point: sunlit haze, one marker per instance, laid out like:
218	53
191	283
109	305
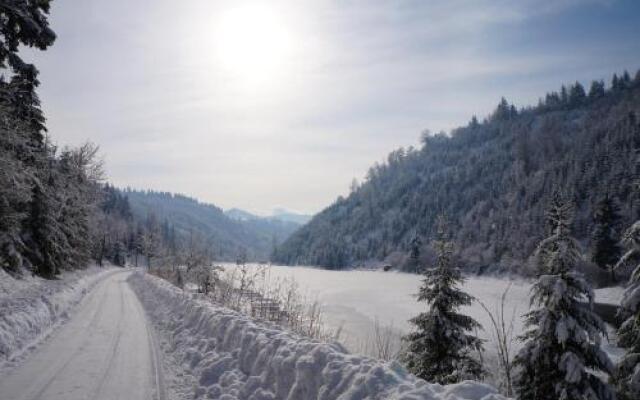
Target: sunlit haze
259	105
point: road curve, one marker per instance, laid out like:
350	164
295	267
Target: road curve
106	351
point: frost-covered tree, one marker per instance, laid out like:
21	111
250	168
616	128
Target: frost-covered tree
16	177
23	22
151	239
58	230
414	252
494	177
441	347
606	251
627	376
45	239
561	356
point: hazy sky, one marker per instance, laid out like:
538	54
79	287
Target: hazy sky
265	104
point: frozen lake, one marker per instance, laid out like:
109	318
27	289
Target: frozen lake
353	300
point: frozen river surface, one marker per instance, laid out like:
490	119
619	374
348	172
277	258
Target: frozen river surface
354	299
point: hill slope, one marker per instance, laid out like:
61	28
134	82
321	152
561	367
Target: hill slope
492	179
229	237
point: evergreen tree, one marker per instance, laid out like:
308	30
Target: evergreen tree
606	251
564	95
627	376
46	241
597	89
23	22
16	177
504	111
414	254
615	83
625	80
577	95
562	346
474	122
440	349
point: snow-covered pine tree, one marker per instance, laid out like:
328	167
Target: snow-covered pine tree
627	376
16	177
441	347
606	251
414	254
46	241
562	353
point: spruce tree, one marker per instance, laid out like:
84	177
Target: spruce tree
606	251
23	22
414	254
597	89
440	349
46	240
627	376
562	353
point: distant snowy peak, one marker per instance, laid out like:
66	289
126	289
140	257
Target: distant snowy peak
240	215
285	215
279	214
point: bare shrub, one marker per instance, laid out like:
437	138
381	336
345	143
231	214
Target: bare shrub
503	336
250	290
383	342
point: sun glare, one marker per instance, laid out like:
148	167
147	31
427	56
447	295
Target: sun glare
253	44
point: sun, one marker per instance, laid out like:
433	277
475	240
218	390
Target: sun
253	43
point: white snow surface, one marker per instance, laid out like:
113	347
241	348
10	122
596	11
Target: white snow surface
353	299
105	351
234	357
31	307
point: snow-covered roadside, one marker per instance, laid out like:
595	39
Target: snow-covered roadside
230	356
31	308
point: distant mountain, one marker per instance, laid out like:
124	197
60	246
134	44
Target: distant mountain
279	214
228	234
284	215
240	215
493	179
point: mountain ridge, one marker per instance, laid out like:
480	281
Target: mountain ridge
492	179
229	238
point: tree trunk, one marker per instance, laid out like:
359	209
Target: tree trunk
614	280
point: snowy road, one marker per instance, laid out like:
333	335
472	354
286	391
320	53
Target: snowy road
106	351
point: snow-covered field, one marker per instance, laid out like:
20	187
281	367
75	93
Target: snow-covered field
354	299
230	356
30	308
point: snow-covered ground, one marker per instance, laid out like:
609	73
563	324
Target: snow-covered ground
31	307
104	351
354	299
230	356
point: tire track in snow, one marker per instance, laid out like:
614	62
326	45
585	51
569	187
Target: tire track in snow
106	351
113	347
90	326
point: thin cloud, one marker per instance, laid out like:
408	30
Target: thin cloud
364	77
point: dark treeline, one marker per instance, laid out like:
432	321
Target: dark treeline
493	180
47	196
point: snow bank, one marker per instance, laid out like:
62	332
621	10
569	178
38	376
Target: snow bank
30	308
233	357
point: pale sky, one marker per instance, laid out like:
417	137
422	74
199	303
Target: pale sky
268	104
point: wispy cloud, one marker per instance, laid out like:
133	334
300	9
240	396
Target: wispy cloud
364	77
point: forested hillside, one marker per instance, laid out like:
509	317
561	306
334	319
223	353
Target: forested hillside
493	180
227	238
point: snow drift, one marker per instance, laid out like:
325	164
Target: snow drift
31	308
232	357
